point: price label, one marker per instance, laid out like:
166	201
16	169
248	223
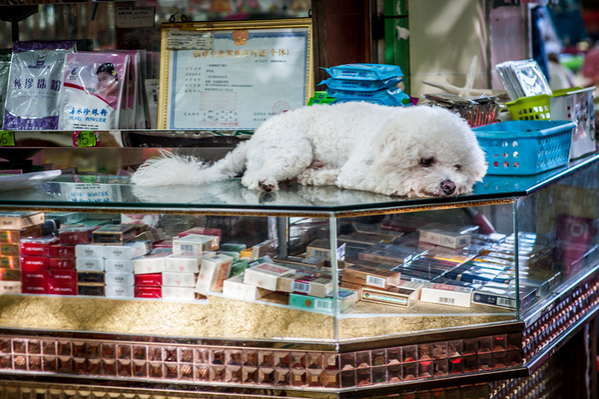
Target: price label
87	138
7	138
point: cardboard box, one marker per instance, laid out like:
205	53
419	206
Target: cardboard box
89	251
176	279
91	289
364	275
34	263
10	262
10	287
14	236
118	266
10	249
404	295
120	291
89	264
449	239
114	234
346	299
234	287
213	272
10	274
117	278
62	251
149	279
91	277
265	275
178	293
20	220
38	246
321	248
148	292
184	263
446	294
75	235
127	251
150	264
195	244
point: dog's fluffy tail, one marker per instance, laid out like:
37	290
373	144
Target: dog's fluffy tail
170	169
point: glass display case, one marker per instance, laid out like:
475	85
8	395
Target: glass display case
229	288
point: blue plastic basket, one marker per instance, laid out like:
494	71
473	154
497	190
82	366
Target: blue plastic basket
525	147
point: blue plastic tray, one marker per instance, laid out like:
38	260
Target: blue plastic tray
525	147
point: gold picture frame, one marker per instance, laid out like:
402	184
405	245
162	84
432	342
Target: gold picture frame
228	76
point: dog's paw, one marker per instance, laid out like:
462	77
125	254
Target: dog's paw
268	186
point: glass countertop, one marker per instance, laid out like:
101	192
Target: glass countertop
106	192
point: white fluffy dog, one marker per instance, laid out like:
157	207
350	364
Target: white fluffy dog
404	151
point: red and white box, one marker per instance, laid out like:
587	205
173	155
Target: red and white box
34	262
170	279
58	290
128	251
195	244
38	246
62	278
62	263
265	275
150	264
62	251
213	272
148	292
150	279
446	294
75	235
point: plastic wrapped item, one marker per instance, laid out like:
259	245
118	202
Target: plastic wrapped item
392	97
365	71
523	78
361	85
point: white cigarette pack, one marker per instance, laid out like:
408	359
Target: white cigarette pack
265	275
178	293
213	272
10	287
127	251
446	294
185	263
89	251
150	264
120	291
236	288
444	238
124	279
175	279
118	265
89	264
195	244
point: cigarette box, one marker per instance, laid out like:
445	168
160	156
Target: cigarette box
114	234
14	236
264	248
20	220
150	264
116	278
61	278
89	264
151	235
321	248
89	251
10	249
265	275
213	272
75	235
10	287
91	277
34	263
91	289
149	279
26	288
184	263
314	286
62	251
118	266
176	279
234	287
404	295
39	246
148	292
62	290
178	293
10	275
346	299
127	251
285	283
388	253
10	262
203	231
195	244
446	294
495	297
120	291
370	276
445	238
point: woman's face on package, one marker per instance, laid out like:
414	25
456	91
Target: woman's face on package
108	85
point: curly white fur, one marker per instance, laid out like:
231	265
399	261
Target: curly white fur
405	151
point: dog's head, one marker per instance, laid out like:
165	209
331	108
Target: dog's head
428	151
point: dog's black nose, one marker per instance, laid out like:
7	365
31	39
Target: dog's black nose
448	187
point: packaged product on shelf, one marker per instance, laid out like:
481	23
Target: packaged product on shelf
10	274
265	248
213	272
346	299
178	279
10	249
4	72
34	275
10	287
131	90
35	80
20	220
89	264
235	288
92	90
404	295
447	236
95	277
62	251
195	244
154	292
502	298
91	289
203	231
62	282
364	275
266	275
118	265
178	293
186	263
39	246
446	294
62	263
89	251
155	263
127	251
388	253
14	236
114	234
75	235
321	248
10	262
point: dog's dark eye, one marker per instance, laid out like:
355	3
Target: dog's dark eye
458	167
427	162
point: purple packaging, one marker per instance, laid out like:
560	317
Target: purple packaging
33	91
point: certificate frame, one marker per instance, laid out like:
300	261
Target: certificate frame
185	102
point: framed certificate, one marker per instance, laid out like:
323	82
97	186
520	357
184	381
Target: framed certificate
233	75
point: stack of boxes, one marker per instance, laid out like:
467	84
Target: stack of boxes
374	83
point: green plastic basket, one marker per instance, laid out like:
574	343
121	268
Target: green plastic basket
534	108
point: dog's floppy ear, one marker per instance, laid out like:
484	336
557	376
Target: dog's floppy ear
394	142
